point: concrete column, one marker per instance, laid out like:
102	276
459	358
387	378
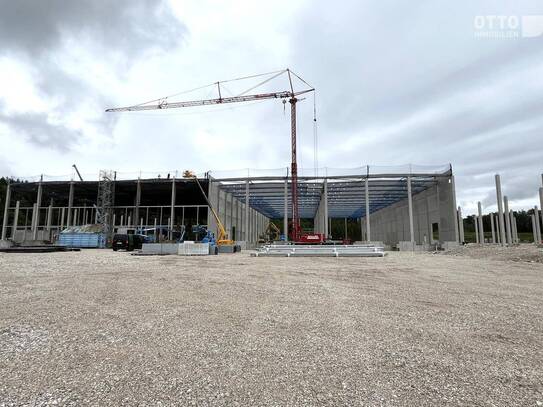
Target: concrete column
38	202
510	214
6	211
70	205
15	219
285	215
514	227
232	218
496	222
33	221
325	202
225	220
62	212
460	226
533	228
251	226
492	228
138	201
537	229
122	220
49	217
36	212
239	223
476	223
410	208
453	190
507	219
367	195
155	231
172	210
481	228
541	203
255	227
129	221
246	217
501	226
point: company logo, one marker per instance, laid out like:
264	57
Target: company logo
512	26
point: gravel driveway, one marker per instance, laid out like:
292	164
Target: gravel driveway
104	328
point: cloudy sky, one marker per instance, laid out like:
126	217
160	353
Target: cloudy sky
423	82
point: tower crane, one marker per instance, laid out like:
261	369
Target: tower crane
290	94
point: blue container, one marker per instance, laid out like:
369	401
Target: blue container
89	240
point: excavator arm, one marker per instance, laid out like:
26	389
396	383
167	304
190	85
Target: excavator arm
223	237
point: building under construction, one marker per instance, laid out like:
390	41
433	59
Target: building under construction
408	207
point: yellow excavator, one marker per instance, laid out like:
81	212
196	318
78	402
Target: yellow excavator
271	234
225	244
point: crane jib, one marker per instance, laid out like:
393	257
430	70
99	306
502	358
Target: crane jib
192	103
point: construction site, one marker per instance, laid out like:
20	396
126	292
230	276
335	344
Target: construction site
231	287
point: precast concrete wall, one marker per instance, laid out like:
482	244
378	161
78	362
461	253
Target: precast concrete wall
232	213
435	205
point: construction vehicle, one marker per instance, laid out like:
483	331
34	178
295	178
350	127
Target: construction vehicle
203	235
291	95
271	234
224	244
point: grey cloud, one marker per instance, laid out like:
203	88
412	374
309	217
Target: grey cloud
37	129
35	32
380	65
37	27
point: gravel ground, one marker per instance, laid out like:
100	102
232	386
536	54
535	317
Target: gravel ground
104	328
524	252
